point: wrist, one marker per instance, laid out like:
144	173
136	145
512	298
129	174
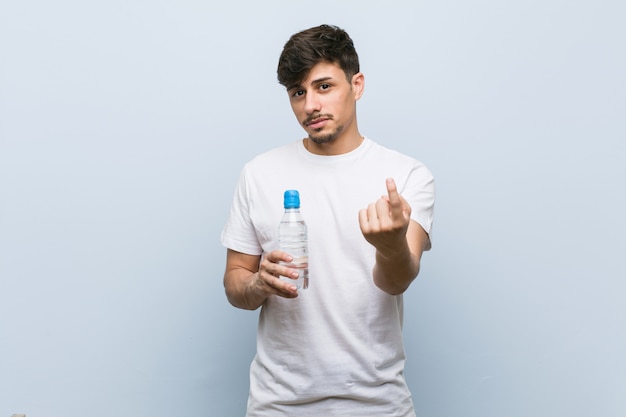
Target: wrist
395	253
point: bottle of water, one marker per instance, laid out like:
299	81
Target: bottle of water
292	239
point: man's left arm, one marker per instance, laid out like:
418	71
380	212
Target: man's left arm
399	241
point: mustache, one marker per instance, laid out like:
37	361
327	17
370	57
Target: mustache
312	117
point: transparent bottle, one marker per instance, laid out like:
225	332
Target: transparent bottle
292	238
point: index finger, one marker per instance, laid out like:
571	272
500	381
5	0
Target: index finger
277	256
395	200
392	191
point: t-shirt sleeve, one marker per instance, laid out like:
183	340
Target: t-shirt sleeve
239	233
419	192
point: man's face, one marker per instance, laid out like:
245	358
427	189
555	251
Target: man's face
325	102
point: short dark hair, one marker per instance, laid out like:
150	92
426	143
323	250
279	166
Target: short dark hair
308	48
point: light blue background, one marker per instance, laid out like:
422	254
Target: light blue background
123	127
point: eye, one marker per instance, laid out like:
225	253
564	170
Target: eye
324	86
297	93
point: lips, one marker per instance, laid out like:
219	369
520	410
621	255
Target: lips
317	122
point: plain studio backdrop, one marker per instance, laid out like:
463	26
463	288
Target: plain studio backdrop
123	128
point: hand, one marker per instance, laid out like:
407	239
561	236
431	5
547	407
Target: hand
384	223
267	280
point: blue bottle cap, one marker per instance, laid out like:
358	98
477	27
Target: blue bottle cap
292	199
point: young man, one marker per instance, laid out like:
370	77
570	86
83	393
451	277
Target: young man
336	348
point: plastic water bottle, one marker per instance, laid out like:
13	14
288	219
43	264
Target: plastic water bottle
292	239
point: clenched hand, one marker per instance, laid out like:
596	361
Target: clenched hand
384	223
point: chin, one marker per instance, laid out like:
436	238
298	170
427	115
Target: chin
322	138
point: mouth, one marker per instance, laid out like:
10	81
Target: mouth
317	122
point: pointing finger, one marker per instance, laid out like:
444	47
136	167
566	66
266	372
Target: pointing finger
392	190
395	201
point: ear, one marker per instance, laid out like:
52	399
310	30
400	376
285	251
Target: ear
358	85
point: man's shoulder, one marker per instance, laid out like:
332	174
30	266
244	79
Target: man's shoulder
278	152
393	155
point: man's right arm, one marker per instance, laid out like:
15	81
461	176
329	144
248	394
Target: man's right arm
248	283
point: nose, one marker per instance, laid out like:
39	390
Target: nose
311	103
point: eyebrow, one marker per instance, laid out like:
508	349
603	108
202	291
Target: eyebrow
319	80
316	81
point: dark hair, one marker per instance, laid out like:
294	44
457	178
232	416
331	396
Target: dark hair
308	48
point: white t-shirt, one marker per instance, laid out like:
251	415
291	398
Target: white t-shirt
337	348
